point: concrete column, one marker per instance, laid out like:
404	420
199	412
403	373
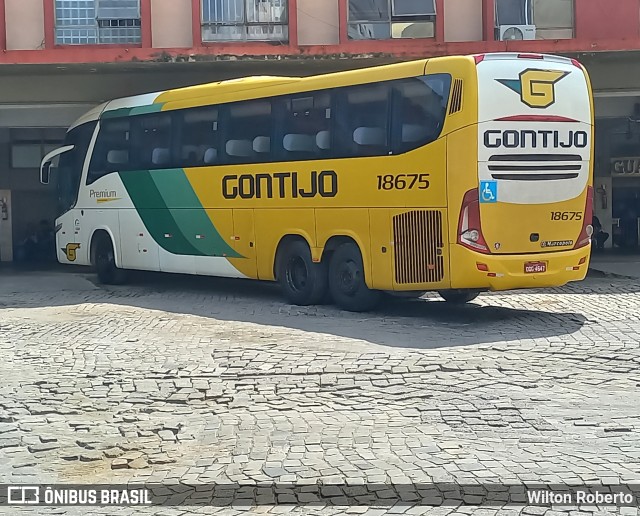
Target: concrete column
6	234
602	185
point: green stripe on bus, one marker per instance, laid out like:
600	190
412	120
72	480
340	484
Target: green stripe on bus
131	111
154	213
188	212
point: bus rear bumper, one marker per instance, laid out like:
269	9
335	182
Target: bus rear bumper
471	270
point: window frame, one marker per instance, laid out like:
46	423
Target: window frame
281	110
346	139
391	20
180	125
92	178
528	14
555	27
137	130
395	15
245	25
99	26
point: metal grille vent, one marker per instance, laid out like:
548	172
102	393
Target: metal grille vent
456	97
418	247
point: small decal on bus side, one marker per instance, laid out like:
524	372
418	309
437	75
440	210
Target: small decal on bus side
556	243
403	182
566	215
488	191
104	196
70	251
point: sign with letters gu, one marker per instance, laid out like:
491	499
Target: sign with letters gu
629	167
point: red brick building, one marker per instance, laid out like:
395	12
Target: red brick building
58	58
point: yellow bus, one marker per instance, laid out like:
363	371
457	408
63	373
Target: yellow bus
458	174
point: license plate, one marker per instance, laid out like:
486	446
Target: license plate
535	267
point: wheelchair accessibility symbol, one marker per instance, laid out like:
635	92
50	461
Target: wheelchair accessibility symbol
488	191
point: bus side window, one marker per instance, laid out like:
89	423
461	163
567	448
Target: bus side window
152	138
419	111
364	120
199	142
307	126
248	132
111	152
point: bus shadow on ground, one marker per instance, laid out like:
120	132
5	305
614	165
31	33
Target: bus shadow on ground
420	324
409	323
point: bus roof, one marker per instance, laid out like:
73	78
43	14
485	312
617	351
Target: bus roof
223	91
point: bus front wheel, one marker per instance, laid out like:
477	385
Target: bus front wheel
303	282
458	297
104	261
347	281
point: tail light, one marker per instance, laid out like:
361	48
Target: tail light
469	228
587	229
577	63
530	56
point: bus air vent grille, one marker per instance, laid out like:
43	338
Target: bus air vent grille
456	97
418	247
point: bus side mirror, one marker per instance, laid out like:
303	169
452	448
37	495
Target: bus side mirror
45	172
45	166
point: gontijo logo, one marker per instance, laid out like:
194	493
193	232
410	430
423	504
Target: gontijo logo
536	87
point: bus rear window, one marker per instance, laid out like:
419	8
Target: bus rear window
420	108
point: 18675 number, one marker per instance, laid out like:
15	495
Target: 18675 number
566	215
403	182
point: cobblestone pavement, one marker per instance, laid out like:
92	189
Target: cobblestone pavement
199	380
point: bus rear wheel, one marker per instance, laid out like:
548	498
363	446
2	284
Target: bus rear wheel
458	297
104	261
303	282
347	282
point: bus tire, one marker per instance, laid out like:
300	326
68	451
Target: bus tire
458	297
347	281
303	282
104	261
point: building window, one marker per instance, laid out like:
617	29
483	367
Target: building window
29	146
513	12
244	20
90	22
550	19
386	19
553	19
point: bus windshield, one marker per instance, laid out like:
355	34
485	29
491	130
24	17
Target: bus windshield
69	170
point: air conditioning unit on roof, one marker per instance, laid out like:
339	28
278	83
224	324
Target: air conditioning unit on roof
516	32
